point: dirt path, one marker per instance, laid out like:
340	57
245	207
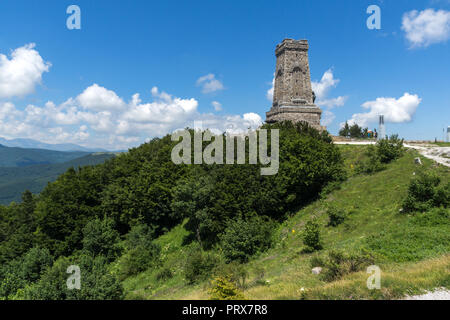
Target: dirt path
439	154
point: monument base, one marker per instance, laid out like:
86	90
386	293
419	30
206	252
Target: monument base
308	113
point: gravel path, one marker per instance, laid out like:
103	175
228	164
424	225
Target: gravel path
438	294
438	154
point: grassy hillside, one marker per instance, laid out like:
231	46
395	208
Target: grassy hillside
20	157
14	181
412	250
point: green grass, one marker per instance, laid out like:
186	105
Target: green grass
412	250
442	144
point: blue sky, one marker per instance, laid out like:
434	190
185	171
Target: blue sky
129	47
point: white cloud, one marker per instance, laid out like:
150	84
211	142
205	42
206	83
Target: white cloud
99	98
426	27
333	102
20	74
322	87
394	110
327	118
89	124
209	83
228	123
269	94
217	105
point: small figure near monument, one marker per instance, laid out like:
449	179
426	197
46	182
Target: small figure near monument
293	98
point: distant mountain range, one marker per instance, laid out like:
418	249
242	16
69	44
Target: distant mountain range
21	157
15	180
34	144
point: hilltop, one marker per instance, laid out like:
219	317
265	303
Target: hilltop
412	249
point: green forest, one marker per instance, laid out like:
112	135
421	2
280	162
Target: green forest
113	219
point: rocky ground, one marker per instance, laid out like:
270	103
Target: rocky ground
439	154
438	294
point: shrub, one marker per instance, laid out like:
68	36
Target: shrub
442	196
139	235
372	164
336	216
422	194
97	282
100	238
223	288
139	259
199	265
164	274
311	236
338	264
11	279
143	253
316	261
233	271
242	239
35	262
389	149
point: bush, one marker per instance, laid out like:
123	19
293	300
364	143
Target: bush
372	164
97	282
233	271
139	235
143	253
164	274
389	149
442	196
242	239
35	262
316	261
199	265
223	288
100	238
311	236
337	264
11	279
422	193
139	259
336	216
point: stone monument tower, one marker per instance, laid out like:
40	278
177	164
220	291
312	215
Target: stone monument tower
293	98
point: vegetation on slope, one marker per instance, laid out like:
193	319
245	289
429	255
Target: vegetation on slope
13	181
412	249
143	227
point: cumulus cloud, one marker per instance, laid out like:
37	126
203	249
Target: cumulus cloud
327	118
86	120
426	27
20	74
99	98
217	105
322	88
394	110
209	83
269	93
